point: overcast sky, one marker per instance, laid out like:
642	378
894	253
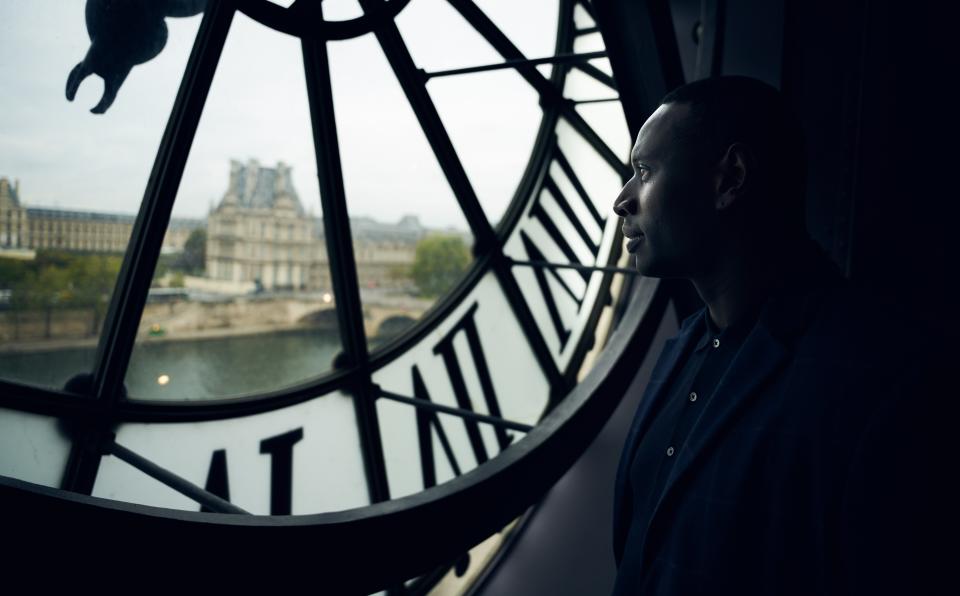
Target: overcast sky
64	156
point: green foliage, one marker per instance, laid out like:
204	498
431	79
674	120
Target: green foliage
193	259
176	280
164	265
58	279
440	261
12	272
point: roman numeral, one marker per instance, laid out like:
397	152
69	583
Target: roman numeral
541	276
428	422
280	450
217	481
548	218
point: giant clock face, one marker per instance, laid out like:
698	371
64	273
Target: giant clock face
266	378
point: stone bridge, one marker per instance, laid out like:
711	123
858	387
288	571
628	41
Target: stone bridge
256	314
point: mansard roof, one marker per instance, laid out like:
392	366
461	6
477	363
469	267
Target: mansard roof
253	186
10	191
68	214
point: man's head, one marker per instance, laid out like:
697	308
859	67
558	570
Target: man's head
718	167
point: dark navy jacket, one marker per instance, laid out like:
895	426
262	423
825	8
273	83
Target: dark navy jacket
814	466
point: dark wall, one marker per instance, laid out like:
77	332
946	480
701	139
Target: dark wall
865	77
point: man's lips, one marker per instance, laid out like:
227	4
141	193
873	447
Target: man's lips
633	236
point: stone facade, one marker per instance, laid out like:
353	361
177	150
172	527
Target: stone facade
32	228
13	217
260	232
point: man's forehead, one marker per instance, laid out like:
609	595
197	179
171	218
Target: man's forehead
658	135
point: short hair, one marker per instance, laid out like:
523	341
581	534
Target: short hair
729	109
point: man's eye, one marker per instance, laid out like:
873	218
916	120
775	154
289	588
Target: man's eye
642	173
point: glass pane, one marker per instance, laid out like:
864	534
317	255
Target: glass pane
601	182
463	346
244	305
580	86
341	10
581	18
591	42
569	222
558	227
603	64
440	39
411	241
493	119
32	448
531	25
234	459
607	120
72	181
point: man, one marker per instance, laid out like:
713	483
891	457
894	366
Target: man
786	442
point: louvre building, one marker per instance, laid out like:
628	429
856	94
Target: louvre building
260	233
259	236
24	229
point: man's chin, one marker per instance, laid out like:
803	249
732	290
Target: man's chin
645	268
648	268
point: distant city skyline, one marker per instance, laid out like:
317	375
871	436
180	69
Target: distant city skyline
67	158
365	224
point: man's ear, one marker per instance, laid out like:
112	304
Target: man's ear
735	171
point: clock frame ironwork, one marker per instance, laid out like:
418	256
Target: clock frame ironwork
90	406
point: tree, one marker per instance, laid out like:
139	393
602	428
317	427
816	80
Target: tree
56	280
194	257
13	272
440	261
92	280
46	290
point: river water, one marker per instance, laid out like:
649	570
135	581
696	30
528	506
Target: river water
194	369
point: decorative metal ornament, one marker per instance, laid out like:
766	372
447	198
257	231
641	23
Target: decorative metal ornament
124	33
304	18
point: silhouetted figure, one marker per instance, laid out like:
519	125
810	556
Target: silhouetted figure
791	438
124	33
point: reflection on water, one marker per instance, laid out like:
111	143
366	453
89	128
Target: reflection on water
196	369
48	369
238	365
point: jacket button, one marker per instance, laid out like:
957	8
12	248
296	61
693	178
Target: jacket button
693	396
669	451
716	343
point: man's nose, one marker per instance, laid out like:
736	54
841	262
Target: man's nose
625	205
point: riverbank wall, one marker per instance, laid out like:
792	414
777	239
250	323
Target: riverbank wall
184	319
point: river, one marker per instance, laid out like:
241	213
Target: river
196	369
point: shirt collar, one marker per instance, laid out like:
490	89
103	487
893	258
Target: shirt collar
708	331
735	332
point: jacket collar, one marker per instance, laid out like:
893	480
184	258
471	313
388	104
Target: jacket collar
765	350
776	326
